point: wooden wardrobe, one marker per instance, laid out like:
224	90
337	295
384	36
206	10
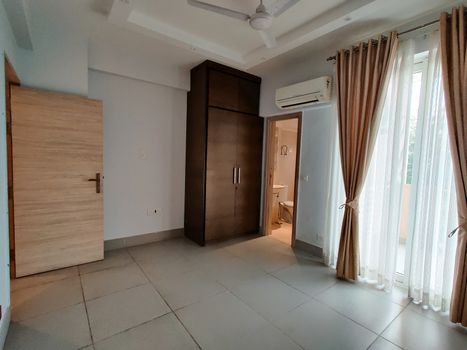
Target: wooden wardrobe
223	154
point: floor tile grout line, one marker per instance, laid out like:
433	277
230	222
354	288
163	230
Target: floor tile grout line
44	283
138	325
269	273
314	297
432	319
180	308
86	310
380	335
79	273
347	317
389	341
118	291
173	311
265	319
46	313
374	341
105	268
187	330
168	305
230	290
299	290
133	327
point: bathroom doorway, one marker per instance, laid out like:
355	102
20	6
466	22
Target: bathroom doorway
281	176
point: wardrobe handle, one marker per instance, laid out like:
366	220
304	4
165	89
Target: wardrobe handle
239	175
234	181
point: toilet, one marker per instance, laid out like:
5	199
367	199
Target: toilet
286	211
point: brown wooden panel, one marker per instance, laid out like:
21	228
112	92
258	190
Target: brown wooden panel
232	92
11	78
195	168
220	189
57	147
249	160
248	96
223	90
222	68
211	148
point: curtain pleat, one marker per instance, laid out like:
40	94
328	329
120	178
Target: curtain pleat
453	58
382	193
362	75
433	214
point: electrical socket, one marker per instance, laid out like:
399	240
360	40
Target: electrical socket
152	211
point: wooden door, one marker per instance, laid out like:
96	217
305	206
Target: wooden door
57	148
220	187
249	162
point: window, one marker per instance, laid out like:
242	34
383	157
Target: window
417	95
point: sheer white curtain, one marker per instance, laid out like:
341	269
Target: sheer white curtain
381	196
380	202
433	205
432	210
336	196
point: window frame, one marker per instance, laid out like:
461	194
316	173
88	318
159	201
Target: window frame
420	65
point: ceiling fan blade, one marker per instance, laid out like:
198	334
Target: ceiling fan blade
280	6
268	38
218	9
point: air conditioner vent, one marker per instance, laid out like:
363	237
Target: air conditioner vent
305	93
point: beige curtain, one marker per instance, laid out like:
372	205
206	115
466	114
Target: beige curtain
453	32
362	75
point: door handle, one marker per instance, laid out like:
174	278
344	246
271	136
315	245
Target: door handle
98	182
234	176
239	175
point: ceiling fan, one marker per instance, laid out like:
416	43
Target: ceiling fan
260	21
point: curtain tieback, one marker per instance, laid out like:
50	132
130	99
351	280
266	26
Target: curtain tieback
462	225
350	204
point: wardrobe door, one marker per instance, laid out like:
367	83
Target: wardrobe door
220	188
248	96
249	163
223	90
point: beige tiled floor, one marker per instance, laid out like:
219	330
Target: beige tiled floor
283	233
252	293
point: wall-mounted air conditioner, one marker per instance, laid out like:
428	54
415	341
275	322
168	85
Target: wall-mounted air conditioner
304	93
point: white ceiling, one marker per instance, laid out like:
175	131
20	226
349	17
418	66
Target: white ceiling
221	30
230	40
183	36
233	42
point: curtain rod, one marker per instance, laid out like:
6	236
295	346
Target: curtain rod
333	58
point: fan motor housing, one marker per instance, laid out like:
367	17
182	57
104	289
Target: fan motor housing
261	20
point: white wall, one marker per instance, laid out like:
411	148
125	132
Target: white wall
319	125
284	173
318	138
139	65
57	63
7	45
144	154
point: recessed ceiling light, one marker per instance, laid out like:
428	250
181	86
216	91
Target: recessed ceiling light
348	19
